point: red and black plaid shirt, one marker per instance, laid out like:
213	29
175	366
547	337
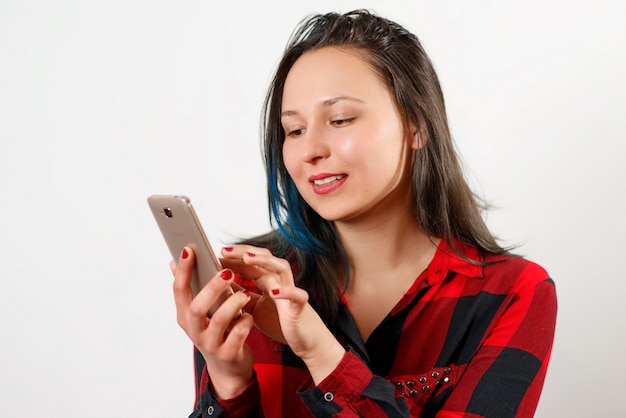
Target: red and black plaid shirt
465	341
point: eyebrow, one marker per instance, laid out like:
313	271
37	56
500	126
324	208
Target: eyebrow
326	103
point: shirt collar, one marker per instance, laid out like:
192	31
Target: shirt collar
446	260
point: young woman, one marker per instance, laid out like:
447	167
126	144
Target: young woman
381	291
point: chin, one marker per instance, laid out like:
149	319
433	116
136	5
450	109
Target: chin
330	216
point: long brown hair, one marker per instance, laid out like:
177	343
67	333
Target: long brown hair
446	206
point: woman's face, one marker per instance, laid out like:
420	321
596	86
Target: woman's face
345	147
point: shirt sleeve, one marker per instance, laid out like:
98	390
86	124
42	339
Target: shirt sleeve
505	376
351	390
246	404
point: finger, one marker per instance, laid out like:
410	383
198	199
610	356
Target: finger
182	278
254	297
217	289
224	318
268	263
291	293
230	310
237	251
243	269
238	332
276	271
233	258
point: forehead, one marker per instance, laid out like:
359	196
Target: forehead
331	71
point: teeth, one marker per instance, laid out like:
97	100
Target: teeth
327	180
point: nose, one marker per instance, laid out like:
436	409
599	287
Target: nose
315	144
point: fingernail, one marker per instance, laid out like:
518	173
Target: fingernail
185	254
251	254
228	249
226	274
246	292
275	291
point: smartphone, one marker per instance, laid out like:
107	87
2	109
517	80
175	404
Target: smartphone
180	228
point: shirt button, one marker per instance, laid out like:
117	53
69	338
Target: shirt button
328	397
210	410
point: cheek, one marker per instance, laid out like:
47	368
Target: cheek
361	150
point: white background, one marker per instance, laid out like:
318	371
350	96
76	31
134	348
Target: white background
104	103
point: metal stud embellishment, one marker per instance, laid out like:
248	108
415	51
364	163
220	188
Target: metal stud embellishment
421	385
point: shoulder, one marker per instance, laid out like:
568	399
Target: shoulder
473	262
477	271
514	267
517	276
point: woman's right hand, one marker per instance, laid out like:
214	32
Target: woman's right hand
221	338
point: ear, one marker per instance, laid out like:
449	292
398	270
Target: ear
420	136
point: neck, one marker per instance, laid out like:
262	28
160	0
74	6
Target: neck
384	246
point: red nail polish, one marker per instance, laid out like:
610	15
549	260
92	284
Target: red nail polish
226	274
228	249
251	254
185	254
246	292
275	291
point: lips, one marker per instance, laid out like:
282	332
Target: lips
325	183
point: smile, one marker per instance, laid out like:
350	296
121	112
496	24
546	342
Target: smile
325	183
327	180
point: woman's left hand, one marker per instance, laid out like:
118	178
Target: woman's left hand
302	328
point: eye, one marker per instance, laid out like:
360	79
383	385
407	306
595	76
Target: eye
339	122
294	133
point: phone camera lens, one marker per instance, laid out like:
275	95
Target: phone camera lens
167	212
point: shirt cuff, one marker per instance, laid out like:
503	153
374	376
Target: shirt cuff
242	405
345	384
